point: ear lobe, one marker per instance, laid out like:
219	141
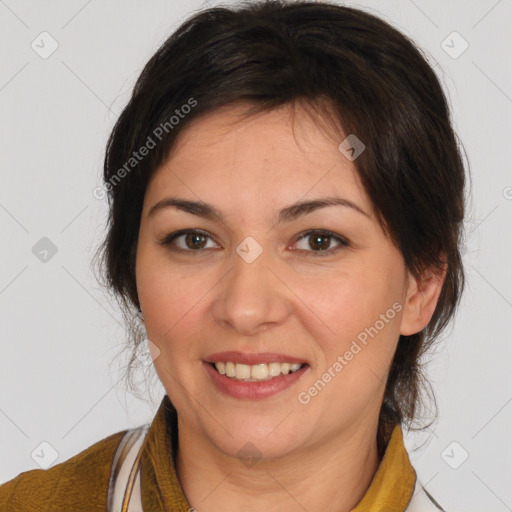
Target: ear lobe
421	300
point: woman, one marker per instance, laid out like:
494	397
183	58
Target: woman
286	200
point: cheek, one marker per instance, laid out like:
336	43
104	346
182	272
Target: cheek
350	302
361	314
361	309
173	299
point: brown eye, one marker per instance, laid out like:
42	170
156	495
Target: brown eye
195	241
320	242
186	241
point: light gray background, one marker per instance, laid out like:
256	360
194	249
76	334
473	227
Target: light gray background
59	380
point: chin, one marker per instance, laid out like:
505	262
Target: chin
251	450
257	438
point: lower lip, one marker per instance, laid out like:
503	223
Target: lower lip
253	390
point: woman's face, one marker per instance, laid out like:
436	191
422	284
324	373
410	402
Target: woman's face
248	285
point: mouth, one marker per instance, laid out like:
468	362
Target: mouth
245	375
256	372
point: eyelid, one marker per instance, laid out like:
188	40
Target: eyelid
325	232
170	237
167	240
342	243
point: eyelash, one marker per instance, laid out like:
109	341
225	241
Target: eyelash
168	239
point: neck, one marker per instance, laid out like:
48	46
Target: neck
331	476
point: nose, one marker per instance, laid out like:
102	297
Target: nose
251	298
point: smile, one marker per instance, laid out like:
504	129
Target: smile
252	376
256	372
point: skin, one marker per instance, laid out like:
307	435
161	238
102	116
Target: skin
289	300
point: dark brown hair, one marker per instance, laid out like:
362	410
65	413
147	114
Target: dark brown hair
342	62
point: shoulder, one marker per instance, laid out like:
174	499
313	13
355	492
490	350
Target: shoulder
64	486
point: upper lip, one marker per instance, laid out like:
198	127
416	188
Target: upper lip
251	358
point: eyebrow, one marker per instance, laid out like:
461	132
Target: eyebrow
287	214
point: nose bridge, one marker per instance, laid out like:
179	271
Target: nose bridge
252	297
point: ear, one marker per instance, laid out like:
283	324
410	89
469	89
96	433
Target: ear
421	300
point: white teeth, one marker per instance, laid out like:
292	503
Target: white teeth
256	372
259	371
274	369
230	369
243	371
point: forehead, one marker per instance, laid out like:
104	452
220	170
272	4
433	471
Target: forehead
281	156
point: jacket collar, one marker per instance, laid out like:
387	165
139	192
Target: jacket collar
391	488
